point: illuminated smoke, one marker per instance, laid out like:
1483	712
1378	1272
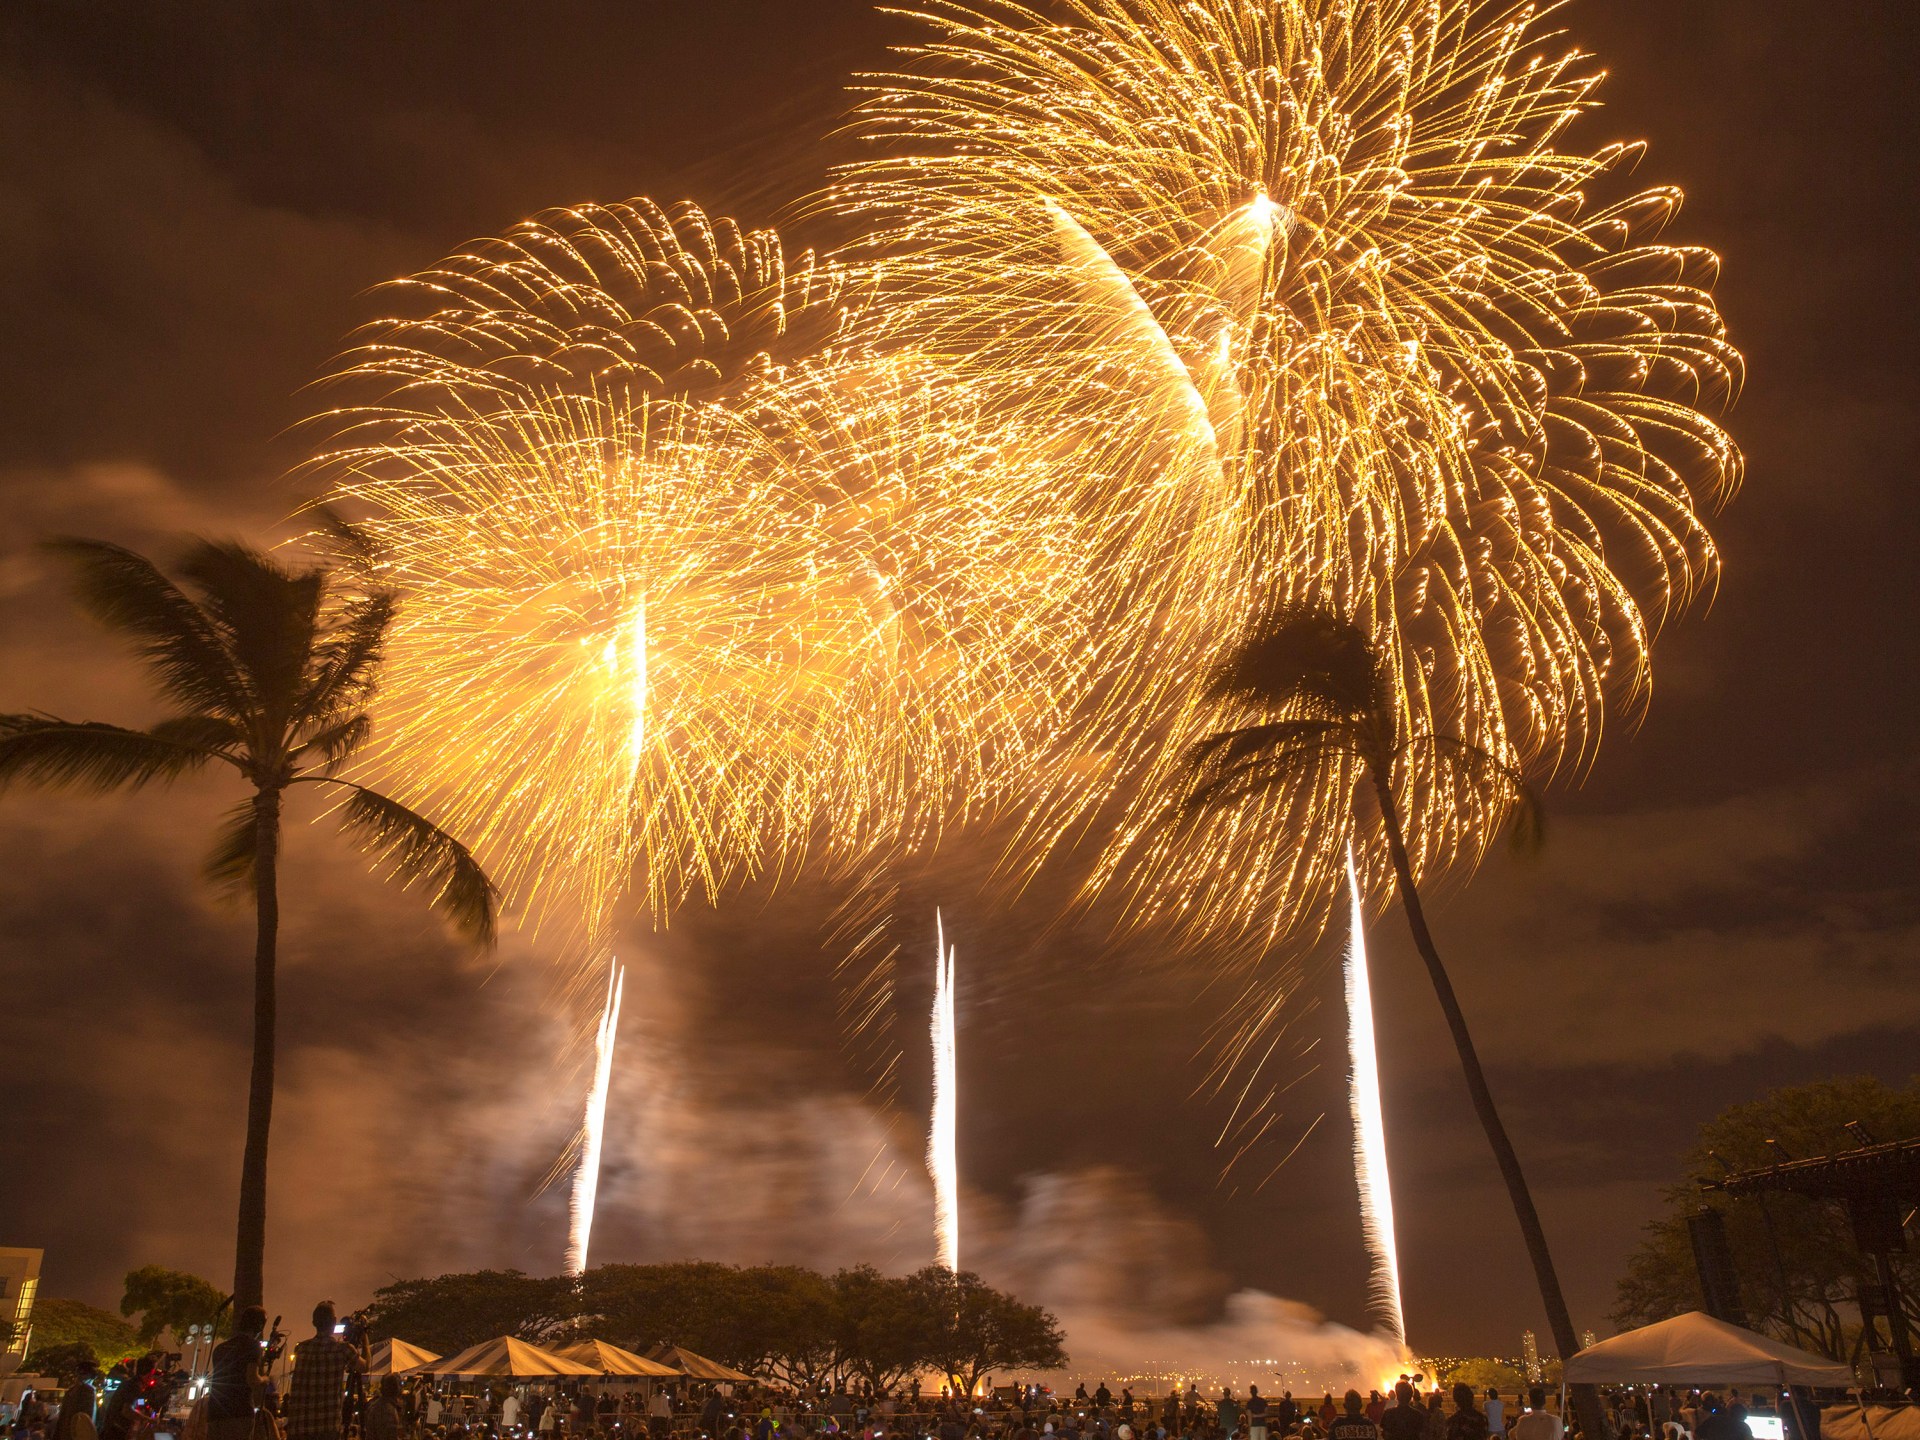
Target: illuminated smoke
1369	1126
943	1162
586	1180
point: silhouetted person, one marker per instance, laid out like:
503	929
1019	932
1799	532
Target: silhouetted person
1405	1420
1353	1424
317	1394
1539	1423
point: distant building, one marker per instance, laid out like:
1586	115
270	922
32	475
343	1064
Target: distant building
19	1285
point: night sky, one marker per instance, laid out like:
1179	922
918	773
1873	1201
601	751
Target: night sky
194	201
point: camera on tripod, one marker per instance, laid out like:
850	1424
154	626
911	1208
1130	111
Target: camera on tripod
353	1329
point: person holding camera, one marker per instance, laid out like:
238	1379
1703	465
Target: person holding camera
237	1374
317	1394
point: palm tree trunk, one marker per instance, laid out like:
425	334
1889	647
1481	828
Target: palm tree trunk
250	1246
1558	1320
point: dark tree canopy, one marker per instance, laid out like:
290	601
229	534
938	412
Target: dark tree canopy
171	1300
1797	1263
452	1312
782	1321
61	1324
975	1330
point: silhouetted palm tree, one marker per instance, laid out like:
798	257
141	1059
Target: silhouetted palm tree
270	669
1325	697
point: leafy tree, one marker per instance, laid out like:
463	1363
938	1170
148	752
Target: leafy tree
972	1330
1483	1371
452	1312
787	1323
783	1321
1323	714
1797	1263
172	1300
58	1324
879	1327
65	1361
695	1303
269	669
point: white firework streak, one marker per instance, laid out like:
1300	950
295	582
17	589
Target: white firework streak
1369	1125
586	1179
943	1151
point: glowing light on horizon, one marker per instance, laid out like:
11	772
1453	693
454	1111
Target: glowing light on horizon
1370	1170
586	1178
943	1157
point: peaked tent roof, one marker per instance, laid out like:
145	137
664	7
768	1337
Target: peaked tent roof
611	1359
391	1355
505	1357
694	1367
1696	1349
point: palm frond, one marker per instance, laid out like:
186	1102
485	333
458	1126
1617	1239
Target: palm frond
268	616
1267	771
214	733
88	755
175	638
1307	659
353	544
1495	777
347	663
412	848
1228	746
229	865
332	746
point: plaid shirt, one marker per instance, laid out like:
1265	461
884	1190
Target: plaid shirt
317	1394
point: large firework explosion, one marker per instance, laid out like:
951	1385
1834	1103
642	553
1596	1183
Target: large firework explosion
1165	313
693	587
1313	301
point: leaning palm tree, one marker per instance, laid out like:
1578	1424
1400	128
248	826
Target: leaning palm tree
1325	700
269	669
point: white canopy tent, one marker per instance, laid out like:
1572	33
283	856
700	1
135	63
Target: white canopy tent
505	1358
1696	1349
612	1360
391	1355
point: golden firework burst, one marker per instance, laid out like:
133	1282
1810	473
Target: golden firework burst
1311	300
679	605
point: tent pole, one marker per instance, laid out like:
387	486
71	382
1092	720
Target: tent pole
1865	1423
1799	1416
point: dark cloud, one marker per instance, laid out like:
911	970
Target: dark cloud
195	199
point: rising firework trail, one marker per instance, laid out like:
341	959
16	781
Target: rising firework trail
1369	1125
943	1161
586	1179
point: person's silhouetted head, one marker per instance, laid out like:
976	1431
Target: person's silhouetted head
1463	1397
1352	1402
323	1316
1537	1397
1403	1392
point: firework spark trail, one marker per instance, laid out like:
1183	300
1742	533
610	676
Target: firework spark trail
943	1157
691	594
586	1178
1310	301
1370	1171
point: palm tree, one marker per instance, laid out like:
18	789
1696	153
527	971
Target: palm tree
1326	700
269	669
